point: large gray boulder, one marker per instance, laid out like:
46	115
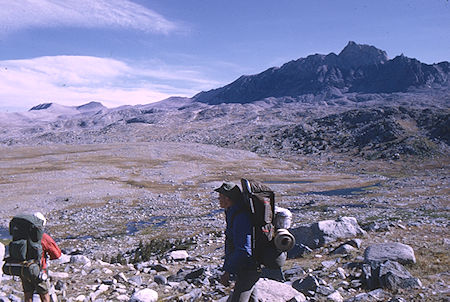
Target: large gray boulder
393	251
332	230
394	276
323	232
389	275
274	291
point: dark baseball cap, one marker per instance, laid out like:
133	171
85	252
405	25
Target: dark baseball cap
230	190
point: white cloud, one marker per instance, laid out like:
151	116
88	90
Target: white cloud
20	14
74	80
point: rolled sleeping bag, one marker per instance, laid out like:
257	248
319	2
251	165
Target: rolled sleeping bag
284	241
26	269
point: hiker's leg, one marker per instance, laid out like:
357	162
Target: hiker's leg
244	287
28	296
45	297
28	290
42	289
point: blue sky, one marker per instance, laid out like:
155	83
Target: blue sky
123	52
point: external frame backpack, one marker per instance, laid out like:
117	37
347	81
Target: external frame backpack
25	249
269	244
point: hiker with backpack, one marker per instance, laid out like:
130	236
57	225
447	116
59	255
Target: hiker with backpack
256	235
28	252
239	260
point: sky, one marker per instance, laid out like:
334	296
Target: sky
128	52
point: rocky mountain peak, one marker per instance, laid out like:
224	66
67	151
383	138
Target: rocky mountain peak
91	106
356	55
358	68
41	106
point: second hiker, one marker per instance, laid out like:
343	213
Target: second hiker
238	245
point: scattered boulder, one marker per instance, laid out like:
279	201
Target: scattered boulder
193	295
375	295
136	280
145	295
274	291
296	270
325	290
323	232
394	276
355	242
160	279
58	275
61	260
332	230
159	268
79	259
344	249
394	251
178	255
306	285
335	297
195	274
389	274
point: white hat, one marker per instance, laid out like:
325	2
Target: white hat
40	216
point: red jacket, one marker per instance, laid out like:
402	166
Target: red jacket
49	248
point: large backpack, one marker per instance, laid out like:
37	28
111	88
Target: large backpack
269	244
25	249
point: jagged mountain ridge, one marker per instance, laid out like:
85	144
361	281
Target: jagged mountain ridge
357	68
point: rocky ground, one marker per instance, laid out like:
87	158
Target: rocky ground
104	201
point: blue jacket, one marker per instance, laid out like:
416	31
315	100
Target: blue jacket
238	242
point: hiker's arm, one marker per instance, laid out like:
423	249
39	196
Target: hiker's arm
242	231
225	279
50	247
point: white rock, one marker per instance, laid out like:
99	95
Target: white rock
344	227
341	272
344	249
102	263
178	255
145	295
58	275
80	298
122	298
80	259
61	260
335	297
274	291
121	277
